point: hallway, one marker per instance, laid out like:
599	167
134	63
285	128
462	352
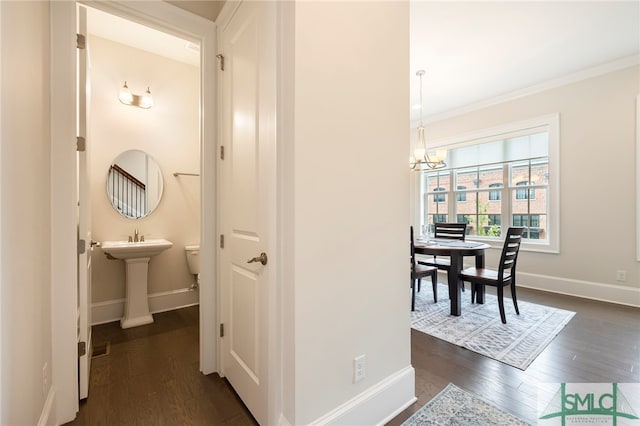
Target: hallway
150	376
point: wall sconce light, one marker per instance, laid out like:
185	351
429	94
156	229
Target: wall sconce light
143	101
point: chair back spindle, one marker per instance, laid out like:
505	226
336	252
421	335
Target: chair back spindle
510	252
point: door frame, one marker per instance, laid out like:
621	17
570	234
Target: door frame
164	17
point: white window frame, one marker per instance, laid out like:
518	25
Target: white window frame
638	178
551	123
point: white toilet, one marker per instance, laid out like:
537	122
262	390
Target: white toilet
193	260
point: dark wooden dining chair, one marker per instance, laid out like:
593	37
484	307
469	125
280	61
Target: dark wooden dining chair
504	276
451	231
421	271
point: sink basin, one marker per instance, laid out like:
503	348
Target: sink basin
127	250
136	257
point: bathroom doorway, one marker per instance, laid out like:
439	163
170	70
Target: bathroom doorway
177	22
144	133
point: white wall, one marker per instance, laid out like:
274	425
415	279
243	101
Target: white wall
169	132
26	257
597	175
350	195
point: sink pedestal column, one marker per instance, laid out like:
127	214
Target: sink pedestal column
136	305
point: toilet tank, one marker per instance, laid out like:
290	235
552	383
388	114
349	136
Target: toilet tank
193	258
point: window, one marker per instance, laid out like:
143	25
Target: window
461	196
507	176
521	194
435	201
495	195
493	227
526	220
483	209
525	193
531	223
495	219
520	220
439	218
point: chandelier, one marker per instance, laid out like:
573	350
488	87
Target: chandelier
421	159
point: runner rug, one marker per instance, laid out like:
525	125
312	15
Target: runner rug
479	329
454	406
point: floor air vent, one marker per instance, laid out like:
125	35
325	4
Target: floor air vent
101	349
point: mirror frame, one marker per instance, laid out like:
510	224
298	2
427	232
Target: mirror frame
134	184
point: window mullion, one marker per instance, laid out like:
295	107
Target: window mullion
477	197
451	208
528	229
505	206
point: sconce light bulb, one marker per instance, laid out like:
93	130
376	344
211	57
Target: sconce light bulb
125	95
147	99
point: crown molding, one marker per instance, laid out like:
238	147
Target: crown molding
606	68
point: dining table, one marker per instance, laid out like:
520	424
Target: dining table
456	250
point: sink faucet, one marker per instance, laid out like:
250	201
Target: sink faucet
136	236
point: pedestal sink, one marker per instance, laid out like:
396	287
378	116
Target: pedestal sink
136	257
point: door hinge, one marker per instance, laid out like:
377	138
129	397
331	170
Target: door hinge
222	330
81	246
81	42
222	152
221	240
82	349
81	144
221	59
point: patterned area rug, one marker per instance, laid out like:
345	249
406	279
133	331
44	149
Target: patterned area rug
479	329
454	406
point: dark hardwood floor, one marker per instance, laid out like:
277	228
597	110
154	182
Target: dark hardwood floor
150	377
601	344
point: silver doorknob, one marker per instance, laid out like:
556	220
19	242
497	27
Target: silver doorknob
262	259
95	243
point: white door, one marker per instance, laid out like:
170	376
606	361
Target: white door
84	218
247	188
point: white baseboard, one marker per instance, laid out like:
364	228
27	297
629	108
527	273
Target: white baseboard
112	310
283	421
586	289
629	296
378	404
47	417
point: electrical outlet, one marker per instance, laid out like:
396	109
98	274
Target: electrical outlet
359	368
45	378
621	275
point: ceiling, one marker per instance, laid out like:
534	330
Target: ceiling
141	37
478	50
471	51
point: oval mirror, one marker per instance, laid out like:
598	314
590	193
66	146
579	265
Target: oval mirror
134	184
